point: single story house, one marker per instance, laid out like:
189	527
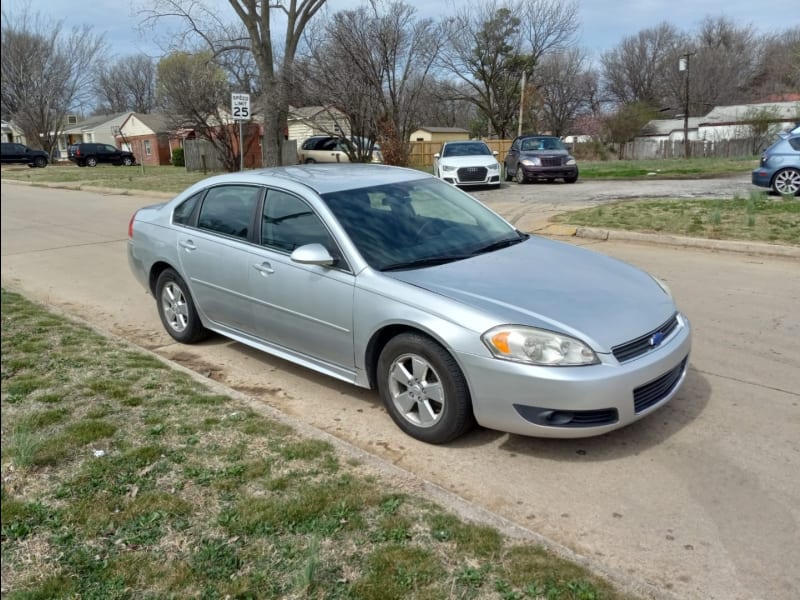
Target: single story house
98	129
734	122
671	130
11	133
147	136
439	134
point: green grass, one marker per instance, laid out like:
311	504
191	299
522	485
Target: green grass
675	168
125	479
759	218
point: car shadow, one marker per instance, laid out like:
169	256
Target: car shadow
652	430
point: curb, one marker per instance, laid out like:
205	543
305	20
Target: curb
593	233
77	186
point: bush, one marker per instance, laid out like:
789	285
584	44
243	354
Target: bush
177	158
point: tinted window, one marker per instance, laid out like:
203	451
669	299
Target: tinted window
542	143
470	149
183	212
108	148
288	223
228	209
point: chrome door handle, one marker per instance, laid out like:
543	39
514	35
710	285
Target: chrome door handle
264	268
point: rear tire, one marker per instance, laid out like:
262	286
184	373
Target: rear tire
176	309
40	162
310	161
91	161
786	182
423	389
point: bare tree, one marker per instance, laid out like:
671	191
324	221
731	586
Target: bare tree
374	64
45	73
490	44
640	67
275	64
778	69
127	84
566	88
193	90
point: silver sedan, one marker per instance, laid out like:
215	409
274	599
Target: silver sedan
394	280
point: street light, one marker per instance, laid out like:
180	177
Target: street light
683	65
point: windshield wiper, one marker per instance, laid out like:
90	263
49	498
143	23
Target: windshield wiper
505	243
430	261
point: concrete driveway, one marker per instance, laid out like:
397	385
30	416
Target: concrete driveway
700	500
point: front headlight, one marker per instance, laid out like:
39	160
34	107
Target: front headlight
448	168
531	162
493	167
537	346
570	161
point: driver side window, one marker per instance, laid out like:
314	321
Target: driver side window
287	222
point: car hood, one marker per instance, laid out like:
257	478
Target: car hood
555	286
478	160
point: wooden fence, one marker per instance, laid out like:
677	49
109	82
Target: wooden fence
654	149
201	155
422	152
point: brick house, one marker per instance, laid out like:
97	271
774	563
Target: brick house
148	137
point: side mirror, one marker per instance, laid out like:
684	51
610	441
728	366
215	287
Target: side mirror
495	153
313	254
436	155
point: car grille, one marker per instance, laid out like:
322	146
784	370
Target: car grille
551	161
472	174
651	393
641	345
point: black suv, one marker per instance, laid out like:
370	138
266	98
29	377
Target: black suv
533	157
89	155
17	153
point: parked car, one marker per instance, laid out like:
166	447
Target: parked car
467	163
328	149
91	154
534	157
779	168
392	279
21	154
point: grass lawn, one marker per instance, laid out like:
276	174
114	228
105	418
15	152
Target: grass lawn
675	168
759	218
125	479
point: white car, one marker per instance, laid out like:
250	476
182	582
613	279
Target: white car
465	163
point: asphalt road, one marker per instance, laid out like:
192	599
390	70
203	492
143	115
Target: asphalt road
700	500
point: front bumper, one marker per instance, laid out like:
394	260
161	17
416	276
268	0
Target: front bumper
561	172
573	402
454	180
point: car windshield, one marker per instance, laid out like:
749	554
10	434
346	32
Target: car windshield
542	143
468	149
418	223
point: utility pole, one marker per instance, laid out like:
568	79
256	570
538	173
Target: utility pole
683	65
521	105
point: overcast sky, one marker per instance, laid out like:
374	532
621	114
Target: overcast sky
603	22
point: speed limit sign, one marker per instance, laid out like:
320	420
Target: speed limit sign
240	107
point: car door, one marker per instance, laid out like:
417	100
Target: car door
13	153
215	254
512	158
108	154
305	308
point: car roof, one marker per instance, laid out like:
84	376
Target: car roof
323	178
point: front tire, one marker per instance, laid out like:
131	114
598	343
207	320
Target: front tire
570	179
786	182
40	162
176	309
310	161
519	176
423	389
127	162
91	162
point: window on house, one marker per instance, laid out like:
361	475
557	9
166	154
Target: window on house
147	149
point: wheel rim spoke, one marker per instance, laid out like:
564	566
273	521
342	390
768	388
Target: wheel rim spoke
404	402
427	415
401	375
416	391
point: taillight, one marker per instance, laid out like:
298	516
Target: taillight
130	225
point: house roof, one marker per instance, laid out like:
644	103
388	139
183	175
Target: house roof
443	129
96	122
309	112
158	122
725	115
